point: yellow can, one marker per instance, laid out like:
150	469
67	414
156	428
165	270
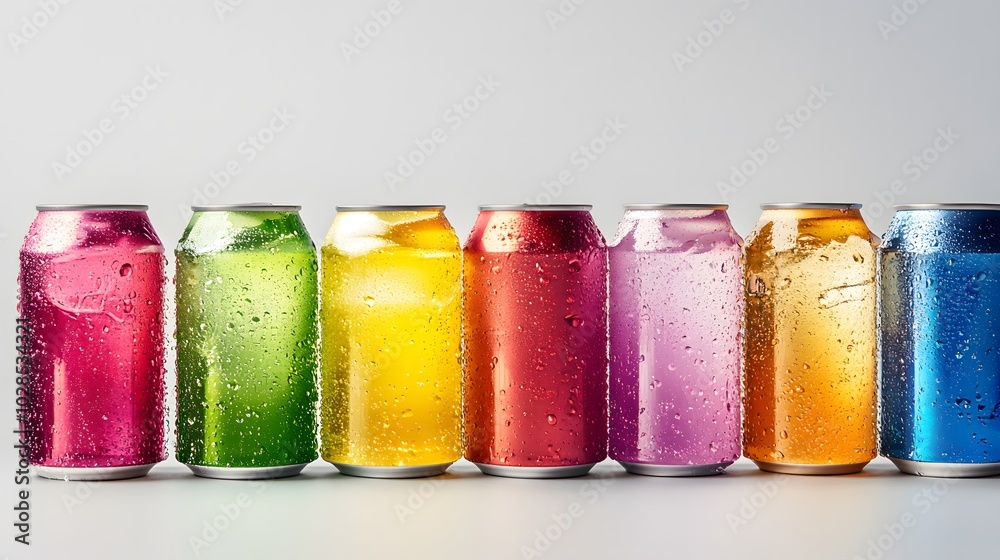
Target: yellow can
391	331
810	377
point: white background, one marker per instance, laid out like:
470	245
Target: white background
893	87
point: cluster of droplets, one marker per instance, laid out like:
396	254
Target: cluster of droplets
246	345
92	291
675	312
536	355
391	358
940	368
810	341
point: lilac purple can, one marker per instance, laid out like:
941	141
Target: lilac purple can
675	308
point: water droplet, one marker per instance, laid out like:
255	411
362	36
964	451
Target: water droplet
369	301
125	270
408	413
574	320
552	419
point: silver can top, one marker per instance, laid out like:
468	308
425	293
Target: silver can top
536	207
391	208
91	207
675	206
248	207
810	205
948	206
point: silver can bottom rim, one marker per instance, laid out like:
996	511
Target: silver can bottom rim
414	471
93	473
649	469
946	470
821	470
247	473
535	472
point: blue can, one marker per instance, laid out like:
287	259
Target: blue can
940	339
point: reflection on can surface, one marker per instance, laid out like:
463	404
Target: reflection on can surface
810	342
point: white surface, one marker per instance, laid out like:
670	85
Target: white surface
741	514
558	88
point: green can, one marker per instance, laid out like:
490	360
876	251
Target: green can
246	342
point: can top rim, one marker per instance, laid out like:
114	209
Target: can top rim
391	208
807	205
536	207
72	207
248	207
948	206
655	206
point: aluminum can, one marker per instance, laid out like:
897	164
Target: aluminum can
91	327
940	332
391	320
535	341
810	376
247	299
675	313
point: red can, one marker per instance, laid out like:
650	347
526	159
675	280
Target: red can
91	332
536	354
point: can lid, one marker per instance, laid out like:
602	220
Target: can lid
949	206
391	208
248	207
80	207
644	206
536	207
807	205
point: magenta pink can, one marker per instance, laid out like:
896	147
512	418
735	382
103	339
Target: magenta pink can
90	332
675	308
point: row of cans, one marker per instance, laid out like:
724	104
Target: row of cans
536	350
